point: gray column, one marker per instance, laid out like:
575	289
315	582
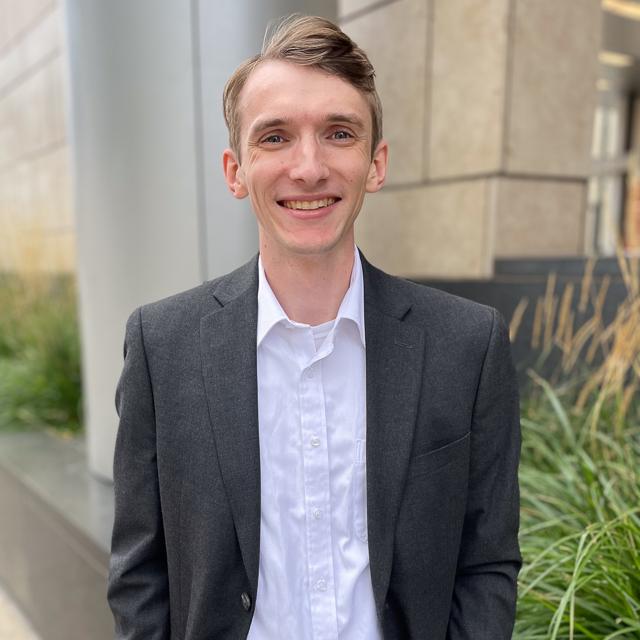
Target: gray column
153	213
228	32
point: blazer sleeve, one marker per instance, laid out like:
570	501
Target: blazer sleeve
484	598
138	582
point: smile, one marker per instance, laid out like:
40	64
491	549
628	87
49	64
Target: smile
308	205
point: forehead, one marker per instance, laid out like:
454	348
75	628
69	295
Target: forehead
282	90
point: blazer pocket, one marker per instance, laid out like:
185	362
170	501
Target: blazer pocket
436	459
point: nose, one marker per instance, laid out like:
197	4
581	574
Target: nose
308	164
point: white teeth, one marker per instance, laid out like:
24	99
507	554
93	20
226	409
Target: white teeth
308	204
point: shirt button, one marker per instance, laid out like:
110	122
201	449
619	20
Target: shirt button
321	585
246	601
315	441
317	514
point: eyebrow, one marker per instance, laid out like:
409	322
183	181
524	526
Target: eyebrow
350	118
267	123
332	118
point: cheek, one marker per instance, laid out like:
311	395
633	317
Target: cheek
266	171
357	171
356	179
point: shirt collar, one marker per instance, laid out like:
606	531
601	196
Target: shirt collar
270	312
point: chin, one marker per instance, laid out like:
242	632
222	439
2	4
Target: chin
317	246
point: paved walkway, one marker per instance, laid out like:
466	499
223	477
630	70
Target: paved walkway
13	625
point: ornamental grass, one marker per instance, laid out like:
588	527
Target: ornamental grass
580	471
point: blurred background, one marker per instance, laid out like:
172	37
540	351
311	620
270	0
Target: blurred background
514	130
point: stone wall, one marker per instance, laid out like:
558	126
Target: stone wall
488	111
36	214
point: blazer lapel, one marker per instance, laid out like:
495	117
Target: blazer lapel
394	361
394	356
228	344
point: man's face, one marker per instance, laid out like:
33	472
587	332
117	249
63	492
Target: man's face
306	163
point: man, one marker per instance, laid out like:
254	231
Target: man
309	448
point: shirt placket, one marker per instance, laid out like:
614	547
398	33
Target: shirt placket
317	500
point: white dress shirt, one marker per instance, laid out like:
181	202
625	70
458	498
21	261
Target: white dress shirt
314	579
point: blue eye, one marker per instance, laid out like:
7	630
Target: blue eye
342	135
274	138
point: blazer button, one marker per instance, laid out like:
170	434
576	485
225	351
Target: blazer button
246	601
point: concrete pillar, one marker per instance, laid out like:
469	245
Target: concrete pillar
488	109
228	32
153	214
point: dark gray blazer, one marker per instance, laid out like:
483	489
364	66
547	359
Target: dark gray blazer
442	453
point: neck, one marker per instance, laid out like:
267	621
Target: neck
309	288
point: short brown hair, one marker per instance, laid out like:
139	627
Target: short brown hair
313	42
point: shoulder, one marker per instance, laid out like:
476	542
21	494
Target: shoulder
459	334
185	309
441	312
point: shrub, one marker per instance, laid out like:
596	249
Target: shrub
40	378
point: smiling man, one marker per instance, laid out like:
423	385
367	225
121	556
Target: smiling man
308	447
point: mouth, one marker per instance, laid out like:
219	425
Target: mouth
308	205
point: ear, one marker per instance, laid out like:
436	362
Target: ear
378	168
233	174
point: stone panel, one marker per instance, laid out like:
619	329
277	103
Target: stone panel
467	87
52	189
20	192
399	58
45	39
36	216
9	134
553	86
348	7
33	116
5	29
56	249
16	17
437	231
537	219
